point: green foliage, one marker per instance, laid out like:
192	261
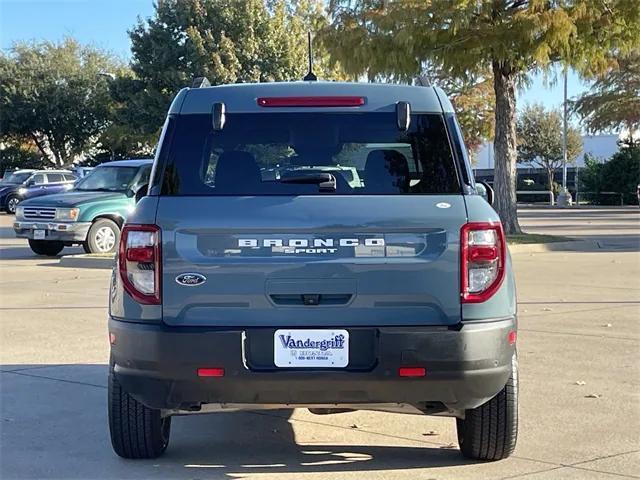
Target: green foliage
15	155
465	38
620	174
51	96
540	139
474	105
227	41
613	102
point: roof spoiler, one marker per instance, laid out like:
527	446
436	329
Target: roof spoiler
200	82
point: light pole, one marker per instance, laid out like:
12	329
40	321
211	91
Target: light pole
564	198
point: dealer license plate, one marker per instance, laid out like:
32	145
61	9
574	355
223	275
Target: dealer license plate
39	234
311	348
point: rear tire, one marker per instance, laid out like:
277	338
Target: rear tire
50	248
490	431
137	431
103	236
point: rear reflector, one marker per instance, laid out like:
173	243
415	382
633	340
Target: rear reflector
512	337
112	338
412	371
311	101
211	372
140	254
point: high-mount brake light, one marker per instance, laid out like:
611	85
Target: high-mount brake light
140	262
311	101
482	261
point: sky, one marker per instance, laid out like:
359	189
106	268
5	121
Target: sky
104	24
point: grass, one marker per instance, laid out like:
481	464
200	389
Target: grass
526	238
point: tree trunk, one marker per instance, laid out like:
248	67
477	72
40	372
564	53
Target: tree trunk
550	177
505	152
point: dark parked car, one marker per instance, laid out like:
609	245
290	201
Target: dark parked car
23	184
9	187
46	183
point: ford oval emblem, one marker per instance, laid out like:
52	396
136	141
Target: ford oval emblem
191	279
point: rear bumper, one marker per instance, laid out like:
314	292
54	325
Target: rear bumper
464	367
61	231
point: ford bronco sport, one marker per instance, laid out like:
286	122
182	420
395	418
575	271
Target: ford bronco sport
239	289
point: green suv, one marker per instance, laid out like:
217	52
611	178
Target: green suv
90	215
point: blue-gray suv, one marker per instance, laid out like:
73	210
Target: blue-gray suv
239	289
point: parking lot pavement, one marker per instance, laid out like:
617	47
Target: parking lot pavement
578	343
611	227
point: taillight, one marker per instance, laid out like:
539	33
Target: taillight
482	262
139	262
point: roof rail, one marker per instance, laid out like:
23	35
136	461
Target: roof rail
200	82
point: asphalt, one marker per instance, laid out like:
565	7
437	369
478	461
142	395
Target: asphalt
579	342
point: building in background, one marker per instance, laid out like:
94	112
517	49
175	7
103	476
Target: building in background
601	146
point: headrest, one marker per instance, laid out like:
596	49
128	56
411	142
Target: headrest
386	171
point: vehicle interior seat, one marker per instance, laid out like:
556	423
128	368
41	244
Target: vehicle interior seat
237	173
386	172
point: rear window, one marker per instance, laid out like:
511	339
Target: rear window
295	153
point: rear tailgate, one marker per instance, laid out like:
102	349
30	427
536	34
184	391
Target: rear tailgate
285	261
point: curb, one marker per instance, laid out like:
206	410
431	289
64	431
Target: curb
572	246
87	261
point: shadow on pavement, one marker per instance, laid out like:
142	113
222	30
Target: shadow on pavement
55	426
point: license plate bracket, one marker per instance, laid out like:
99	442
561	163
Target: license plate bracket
39	234
311	348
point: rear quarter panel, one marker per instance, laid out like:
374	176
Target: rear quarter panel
503	303
121	305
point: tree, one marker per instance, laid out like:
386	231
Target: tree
619	174
227	41
511	38
613	102
50	95
474	105
540	140
16	153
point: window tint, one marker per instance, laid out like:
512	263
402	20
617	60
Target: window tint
142	178
55	177
293	153
111	179
38	179
15	178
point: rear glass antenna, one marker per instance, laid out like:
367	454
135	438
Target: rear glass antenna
310	76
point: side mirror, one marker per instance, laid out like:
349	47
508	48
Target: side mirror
130	193
142	192
485	191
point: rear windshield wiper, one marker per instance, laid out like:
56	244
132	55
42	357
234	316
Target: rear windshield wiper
326	182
